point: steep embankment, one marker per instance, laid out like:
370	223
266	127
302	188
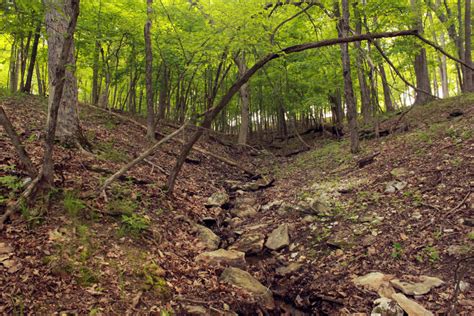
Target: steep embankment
408	212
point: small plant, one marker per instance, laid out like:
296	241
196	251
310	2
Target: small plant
470	235
109	153
397	250
134	224
72	204
122	206
12	183
432	253
86	276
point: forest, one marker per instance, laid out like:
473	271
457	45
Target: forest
191	157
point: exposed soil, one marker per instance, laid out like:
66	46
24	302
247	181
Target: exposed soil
73	251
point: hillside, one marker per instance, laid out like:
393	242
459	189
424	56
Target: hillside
402	207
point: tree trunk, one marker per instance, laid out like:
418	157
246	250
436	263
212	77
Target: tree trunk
443	69
343	31
13	71
58	13
244	98
361	75
40	83
421	62
60	53
149	74
386	90
163	92
468	73
31	67
95	74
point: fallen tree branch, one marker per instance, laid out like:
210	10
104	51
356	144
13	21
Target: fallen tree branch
10	130
196	148
140	158
28	194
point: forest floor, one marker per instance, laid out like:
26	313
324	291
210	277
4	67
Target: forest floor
407	213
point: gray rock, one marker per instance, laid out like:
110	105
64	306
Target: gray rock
222	256
208	238
417	288
386	307
248	283
217	199
394	186
464	286
278	238
412	308
249	243
289	269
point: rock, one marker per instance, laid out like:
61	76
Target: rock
309	219
416	215
286	208
5	249
289	269
271	205
222	256
464	286
469	221
210	240
249	243
394	186
377	282
278	238
195	310
248	283
417	288
412	308
457	250
217	199
244	212
386	307
398	173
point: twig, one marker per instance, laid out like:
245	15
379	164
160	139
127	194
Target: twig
140	158
451	211
458	276
10	130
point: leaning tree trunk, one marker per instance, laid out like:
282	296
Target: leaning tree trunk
386	90
343	31
58	13
244	98
421	62
34	51
149	74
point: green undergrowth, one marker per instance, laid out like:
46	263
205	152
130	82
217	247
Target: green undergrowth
109	152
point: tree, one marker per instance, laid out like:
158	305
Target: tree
468	73
58	15
244	99
343	32
149	74
421	61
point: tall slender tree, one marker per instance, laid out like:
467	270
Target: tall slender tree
149	73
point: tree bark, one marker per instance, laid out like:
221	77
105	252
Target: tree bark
343	31
244	98
62	81
13	71
95	74
468	73
20	149
149	74
386	90
58	14
31	66
421	62
365	107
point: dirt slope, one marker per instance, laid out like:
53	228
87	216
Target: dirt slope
136	251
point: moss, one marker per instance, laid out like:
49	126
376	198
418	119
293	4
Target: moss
109	153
